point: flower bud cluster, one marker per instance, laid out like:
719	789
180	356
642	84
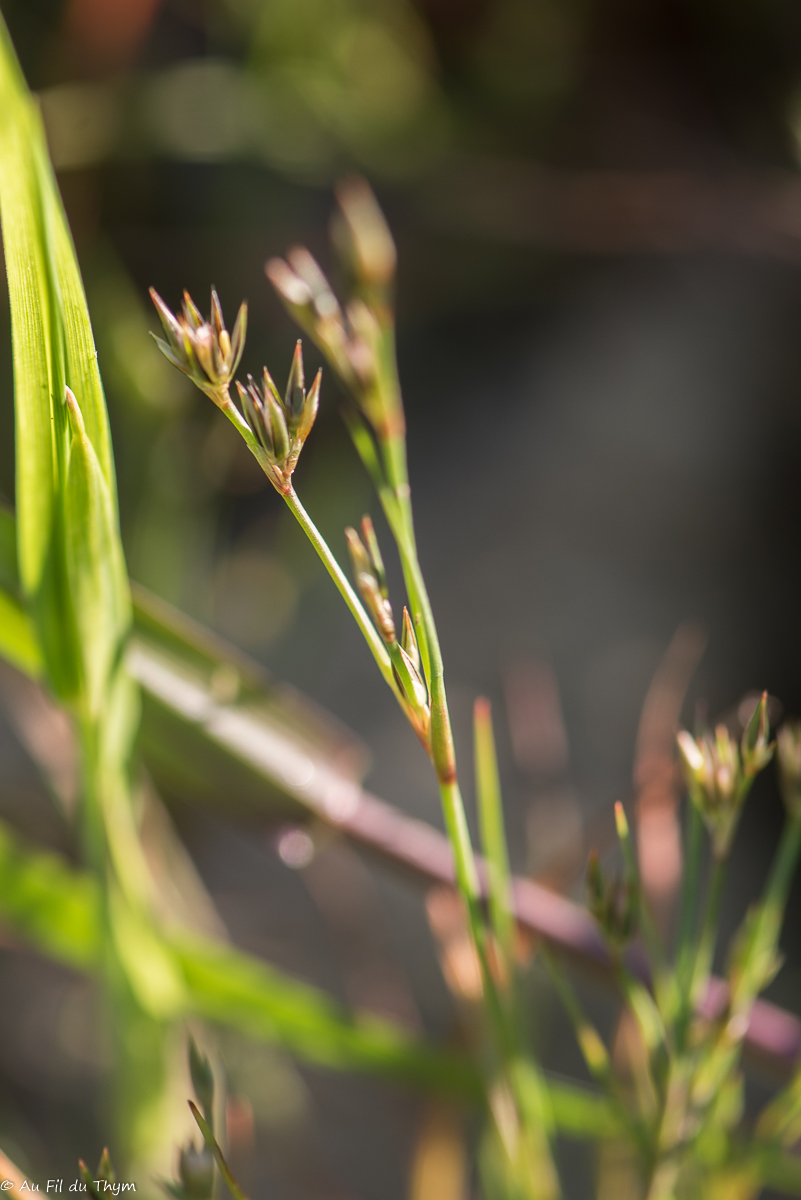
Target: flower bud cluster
371	581
202	349
282	424
613	902
719	773
354	340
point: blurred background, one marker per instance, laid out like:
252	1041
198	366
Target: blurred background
597	207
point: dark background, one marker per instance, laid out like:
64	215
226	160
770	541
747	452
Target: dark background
598	215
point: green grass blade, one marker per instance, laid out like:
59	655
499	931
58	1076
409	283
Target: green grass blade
52	906
40	421
52	349
96	569
219	1157
493	836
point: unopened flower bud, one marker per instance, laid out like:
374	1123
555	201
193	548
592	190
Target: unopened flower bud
613	902
371	582
413	689
362	235
409	639
755	746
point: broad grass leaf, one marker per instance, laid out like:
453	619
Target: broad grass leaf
53	349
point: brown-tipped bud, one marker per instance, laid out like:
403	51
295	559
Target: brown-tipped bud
277	424
756	748
788	754
367	582
203	350
310	405
295	394
192	314
613	903
409	639
373	550
105	1170
217	322
411	683
362	235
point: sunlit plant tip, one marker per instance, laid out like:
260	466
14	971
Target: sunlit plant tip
281	424
202	349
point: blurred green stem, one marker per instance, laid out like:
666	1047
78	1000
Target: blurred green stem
705	953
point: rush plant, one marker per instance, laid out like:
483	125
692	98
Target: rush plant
678	1109
673	1111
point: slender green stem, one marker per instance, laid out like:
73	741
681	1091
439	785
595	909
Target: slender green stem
705	952
369	632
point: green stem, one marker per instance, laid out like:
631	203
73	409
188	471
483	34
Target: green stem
369	632
687	920
705	953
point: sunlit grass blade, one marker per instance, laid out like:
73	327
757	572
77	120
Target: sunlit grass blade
41	421
493	835
98	582
52	349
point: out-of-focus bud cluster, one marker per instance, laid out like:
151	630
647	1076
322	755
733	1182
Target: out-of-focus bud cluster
371	581
788	754
202	349
196	1172
281	424
357	341
196	1163
719	773
613	902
